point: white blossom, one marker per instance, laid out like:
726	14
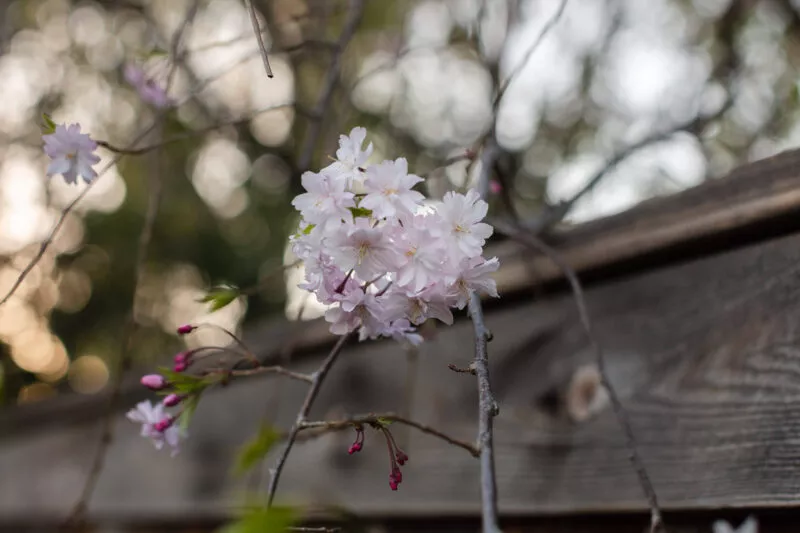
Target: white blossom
72	153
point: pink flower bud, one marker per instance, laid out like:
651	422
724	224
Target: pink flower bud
182	357
172	400
180	367
154	381
163	424
393	484
401	458
187	328
495	187
398	476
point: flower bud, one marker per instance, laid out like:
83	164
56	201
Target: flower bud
180	366
401	458
186	328
393	484
172	400
163	424
154	381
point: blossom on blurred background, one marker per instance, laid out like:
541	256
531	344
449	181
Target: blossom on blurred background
72	153
156	425
381	258
149	91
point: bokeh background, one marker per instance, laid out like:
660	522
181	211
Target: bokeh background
717	77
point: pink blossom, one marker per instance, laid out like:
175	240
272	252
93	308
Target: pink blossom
72	153
152	418
154	381
462	215
389	193
327	201
423	256
473	276
149	91
366	249
350	157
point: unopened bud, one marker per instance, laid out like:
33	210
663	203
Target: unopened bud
172	400
154	381
187	328
180	367
163	424
401	458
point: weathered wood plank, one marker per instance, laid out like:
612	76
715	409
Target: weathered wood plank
706	356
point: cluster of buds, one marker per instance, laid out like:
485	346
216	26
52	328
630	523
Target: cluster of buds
157	424
397	457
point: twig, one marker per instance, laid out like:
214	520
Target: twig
354	15
188	135
529	53
336	425
457	369
273	369
530	240
319	377
695	125
257	30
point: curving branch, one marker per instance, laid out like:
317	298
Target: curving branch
533	242
313	391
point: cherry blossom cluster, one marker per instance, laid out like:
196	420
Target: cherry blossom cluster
380	254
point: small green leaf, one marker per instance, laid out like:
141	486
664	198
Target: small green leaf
308	229
262	520
360	212
181	383
189	407
220	297
256	449
384	421
49	126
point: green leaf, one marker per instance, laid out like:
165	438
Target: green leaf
220	297
384	421
256	449
189	407
49	126
308	229
181	383
262	520
360	212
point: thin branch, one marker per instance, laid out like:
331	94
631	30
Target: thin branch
336	425
257	30
273	369
354	15
694	126
313	391
79	510
529	53
188	135
533	242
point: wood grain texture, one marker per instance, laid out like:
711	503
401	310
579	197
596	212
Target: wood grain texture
705	355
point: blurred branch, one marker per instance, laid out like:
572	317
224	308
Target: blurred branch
694	126
257	30
529	53
337	425
313	391
354	14
154	200
539	246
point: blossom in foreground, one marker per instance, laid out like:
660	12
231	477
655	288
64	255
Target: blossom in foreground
149	91
71	152
381	258
350	157
157	425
